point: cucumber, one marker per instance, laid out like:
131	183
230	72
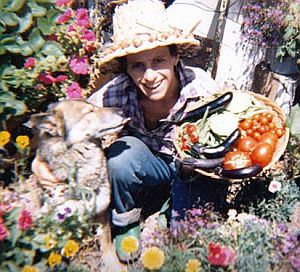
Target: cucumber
224	124
240	102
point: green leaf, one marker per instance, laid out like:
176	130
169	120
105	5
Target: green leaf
2	49
294	121
45	26
9	19
9	266
37	10
52	48
14	5
35	39
46	1
2	28
25	23
13	48
15	234
26	49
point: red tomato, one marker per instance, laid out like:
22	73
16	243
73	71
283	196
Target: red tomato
270	138
246	144
262	154
279	132
194	138
245	124
190	129
237	159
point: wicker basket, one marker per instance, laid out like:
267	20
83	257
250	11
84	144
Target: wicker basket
279	119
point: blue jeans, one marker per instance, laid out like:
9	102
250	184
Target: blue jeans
135	171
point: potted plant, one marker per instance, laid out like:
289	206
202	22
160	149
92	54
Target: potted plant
290	41
273	25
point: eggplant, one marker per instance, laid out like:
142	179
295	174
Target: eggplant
194	115
240	173
202	163
219	150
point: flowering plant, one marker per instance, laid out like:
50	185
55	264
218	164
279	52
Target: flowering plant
291	35
48	58
41	241
14	154
263	22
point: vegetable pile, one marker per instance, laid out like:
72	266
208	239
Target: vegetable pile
233	136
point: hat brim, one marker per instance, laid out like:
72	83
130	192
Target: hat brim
108	59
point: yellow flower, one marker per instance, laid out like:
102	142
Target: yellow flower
29	268
130	244
22	141
50	242
4	137
153	258
54	259
70	248
193	265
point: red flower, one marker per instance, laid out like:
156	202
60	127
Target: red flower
221	256
88	35
3	232
47	78
29	63
61	78
63	3
82	17
79	66
65	16
25	220
74	91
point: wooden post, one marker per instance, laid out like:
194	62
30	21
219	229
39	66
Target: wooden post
214	55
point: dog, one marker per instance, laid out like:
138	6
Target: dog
71	137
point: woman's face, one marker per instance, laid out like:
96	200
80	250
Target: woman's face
153	72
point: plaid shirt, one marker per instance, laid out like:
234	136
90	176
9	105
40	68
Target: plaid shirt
121	92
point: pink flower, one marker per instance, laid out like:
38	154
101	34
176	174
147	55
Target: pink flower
63	3
79	66
74	91
65	16
82	17
25	220
70	28
88	35
29	63
3	232
221	256
47	78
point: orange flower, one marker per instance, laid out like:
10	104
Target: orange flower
22	141
54	259
70	248
29	268
153	258
130	244
4	138
193	265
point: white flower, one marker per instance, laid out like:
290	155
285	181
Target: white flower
243	217
232	214
69	208
274	186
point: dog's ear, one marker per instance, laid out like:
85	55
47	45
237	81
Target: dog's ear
51	122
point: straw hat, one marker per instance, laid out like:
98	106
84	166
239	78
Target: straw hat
141	25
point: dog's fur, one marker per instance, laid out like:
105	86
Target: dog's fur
71	134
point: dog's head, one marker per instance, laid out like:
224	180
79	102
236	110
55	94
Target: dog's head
78	120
